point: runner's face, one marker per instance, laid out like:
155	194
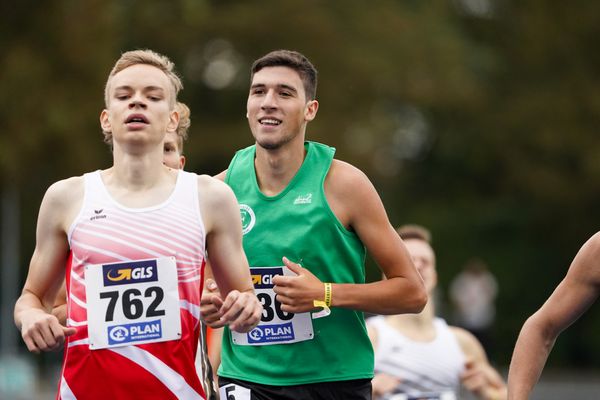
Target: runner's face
424	259
172	157
139	105
277	109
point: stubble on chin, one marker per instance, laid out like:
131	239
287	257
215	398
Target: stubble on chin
269	145
274	144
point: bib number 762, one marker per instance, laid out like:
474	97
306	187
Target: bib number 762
131	303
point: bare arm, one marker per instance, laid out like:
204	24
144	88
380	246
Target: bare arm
40	330
355	201
479	377
240	307
214	350
573	296
357	205
59	310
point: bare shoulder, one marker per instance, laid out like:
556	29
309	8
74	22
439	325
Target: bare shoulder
462	335
213	188
468	343
348	191
66	188
62	202
65	194
221	176
345	177
217	201
348	185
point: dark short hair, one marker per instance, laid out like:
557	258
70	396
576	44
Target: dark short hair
294	60
412	231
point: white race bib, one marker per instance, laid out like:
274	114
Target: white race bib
132	302
423	396
276	326
234	392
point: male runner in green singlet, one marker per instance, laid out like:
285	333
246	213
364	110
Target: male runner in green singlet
308	220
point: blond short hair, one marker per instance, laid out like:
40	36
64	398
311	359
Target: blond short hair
144	57
184	124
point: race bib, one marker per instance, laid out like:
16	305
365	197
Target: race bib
234	392
132	302
422	396
276	326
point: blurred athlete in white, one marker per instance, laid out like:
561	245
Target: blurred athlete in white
418	356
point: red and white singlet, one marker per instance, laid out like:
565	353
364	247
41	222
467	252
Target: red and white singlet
109	239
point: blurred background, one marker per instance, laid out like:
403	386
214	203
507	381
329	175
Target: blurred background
476	118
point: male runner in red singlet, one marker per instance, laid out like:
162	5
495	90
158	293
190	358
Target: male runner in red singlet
136	236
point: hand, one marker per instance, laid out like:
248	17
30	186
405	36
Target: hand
297	293
384	383
241	310
210	304
42	331
473	378
483	381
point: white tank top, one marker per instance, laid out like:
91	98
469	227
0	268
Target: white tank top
107	232
424	367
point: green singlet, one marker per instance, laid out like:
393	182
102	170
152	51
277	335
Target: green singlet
299	224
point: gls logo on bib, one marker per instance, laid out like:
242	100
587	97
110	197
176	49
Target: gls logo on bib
130	272
248	218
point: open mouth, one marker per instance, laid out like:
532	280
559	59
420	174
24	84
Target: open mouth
136	118
269	121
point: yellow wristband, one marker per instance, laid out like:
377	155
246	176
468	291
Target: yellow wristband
328	294
324	304
324	312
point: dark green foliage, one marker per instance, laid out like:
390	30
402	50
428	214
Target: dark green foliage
484	128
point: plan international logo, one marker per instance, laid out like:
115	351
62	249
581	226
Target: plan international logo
135	332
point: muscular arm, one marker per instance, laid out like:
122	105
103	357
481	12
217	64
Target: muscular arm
573	296
357	205
39	328
229	265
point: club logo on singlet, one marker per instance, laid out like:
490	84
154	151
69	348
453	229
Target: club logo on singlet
303	199
248	218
